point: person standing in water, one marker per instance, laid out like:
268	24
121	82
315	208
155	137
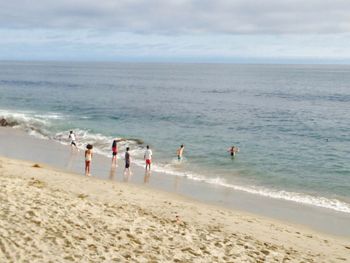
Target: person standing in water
148	158
72	140
180	152
88	158
233	150
127	161
114	152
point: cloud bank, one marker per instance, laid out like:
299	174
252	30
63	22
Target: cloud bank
175	30
181	16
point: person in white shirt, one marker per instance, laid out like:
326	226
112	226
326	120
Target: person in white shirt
148	158
72	140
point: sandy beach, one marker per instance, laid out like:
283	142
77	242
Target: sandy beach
49	215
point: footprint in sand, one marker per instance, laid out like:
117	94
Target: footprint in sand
36	183
82	196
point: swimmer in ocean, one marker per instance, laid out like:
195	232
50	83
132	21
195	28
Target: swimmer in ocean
180	151
233	150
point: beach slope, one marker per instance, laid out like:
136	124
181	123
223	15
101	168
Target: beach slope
48	215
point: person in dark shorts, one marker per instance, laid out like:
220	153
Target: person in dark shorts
127	161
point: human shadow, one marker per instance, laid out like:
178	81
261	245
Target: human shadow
113	173
147	177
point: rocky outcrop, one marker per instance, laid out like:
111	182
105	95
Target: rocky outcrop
6	123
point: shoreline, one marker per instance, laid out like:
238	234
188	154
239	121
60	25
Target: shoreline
58	155
35	126
85	218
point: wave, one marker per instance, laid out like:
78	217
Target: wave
218	91
102	143
307	97
34	124
305	199
38	125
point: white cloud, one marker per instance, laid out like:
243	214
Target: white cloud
181	16
175	29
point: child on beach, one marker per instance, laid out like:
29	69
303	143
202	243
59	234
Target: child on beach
127	161
72	140
114	152
88	158
148	158
233	150
180	151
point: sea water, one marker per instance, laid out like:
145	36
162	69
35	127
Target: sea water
291	122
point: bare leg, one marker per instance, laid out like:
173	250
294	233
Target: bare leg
87	168
75	146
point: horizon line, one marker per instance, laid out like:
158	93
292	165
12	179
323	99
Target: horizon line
242	61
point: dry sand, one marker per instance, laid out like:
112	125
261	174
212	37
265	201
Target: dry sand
51	216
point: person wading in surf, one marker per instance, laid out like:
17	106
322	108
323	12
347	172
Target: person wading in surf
88	158
180	152
127	171
72	140
148	158
114	152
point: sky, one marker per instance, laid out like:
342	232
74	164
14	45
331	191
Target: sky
290	31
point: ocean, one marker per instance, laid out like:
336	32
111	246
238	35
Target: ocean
291	122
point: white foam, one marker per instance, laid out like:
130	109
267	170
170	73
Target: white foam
50	116
301	198
37	135
26	120
30	116
102	144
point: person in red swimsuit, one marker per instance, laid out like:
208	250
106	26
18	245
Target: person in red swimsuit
148	158
114	152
